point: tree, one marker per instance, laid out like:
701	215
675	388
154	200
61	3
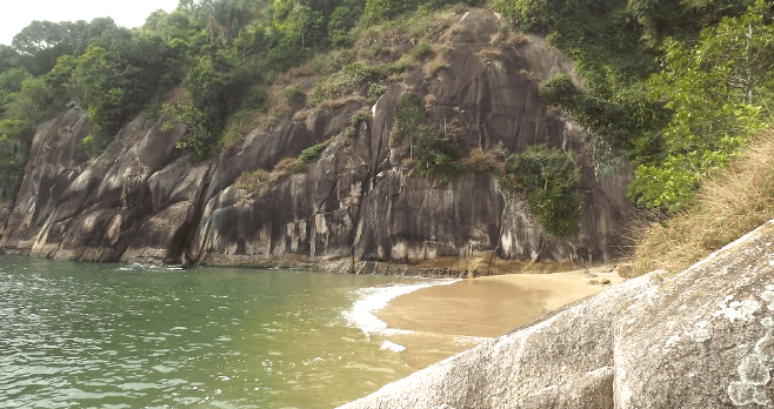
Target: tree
718	90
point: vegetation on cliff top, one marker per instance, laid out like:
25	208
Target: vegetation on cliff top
224	53
674	87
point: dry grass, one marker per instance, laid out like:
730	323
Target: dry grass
304	114
511	39
439	62
260	181
729	205
483	161
250	180
287	166
343	101
410	28
528	74
490	53
429	100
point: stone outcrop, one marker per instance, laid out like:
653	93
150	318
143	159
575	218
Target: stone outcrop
701	339
143	200
358	200
133	203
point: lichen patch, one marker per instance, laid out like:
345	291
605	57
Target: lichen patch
736	310
768	296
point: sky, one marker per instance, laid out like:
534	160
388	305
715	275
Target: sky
18	14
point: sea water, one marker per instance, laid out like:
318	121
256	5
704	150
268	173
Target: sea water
79	335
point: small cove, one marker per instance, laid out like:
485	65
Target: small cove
127	336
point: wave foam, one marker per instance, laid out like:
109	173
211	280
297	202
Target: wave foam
393	346
374	299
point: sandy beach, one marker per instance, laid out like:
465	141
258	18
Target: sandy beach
464	312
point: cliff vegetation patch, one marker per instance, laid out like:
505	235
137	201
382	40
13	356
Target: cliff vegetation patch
547	178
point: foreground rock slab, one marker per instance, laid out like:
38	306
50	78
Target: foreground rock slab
701	339
706	338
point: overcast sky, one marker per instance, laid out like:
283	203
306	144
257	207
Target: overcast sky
17	14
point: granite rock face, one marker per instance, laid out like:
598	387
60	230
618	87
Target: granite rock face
358	199
701	339
143	200
133	200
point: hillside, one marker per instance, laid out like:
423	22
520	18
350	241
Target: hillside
335	181
257	133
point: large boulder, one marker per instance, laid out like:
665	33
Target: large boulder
705	339
358	201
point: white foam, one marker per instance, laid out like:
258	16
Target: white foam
393	346
371	300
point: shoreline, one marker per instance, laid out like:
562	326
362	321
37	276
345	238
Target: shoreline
438	321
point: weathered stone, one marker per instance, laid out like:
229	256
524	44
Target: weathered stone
67	210
363	205
49	172
703	340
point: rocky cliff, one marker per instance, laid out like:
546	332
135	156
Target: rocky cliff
701	339
143	200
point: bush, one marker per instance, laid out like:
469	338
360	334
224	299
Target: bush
375	90
434	153
350	78
409	117
549	178
420	50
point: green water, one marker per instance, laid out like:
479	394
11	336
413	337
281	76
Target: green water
76	335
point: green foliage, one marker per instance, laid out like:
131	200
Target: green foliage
293	94
375	90
409	117
349	78
420	50
15	140
308	154
549	178
342	19
217	84
359	117
10	83
41	43
435	152
376	10
198	137
675	87
718	90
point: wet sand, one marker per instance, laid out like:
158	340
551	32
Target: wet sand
490	306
